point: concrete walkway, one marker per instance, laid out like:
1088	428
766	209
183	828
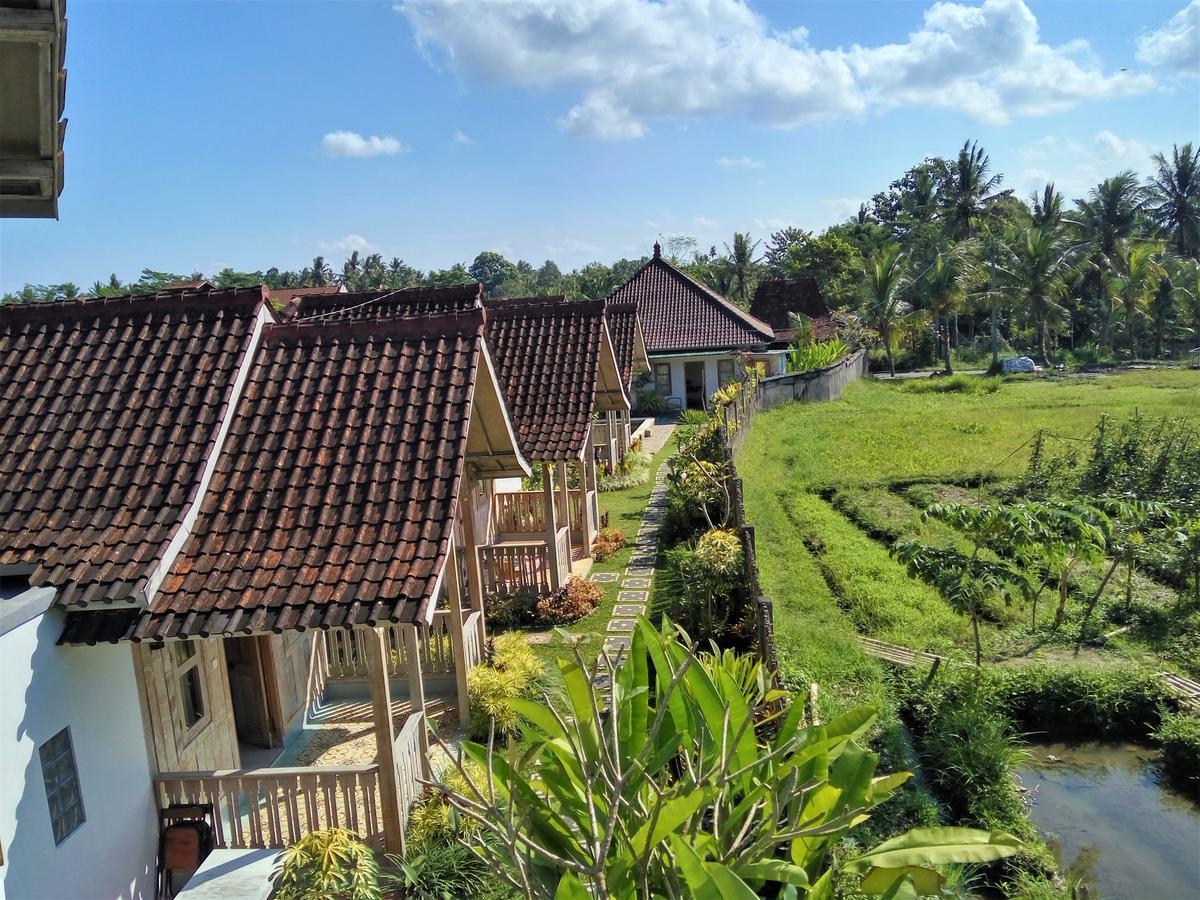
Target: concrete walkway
660	432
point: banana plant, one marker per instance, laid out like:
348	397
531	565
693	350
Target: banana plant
691	776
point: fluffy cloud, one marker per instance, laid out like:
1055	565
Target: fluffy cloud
347	244
460	138
1177	44
739	162
1080	165
351	143
634	61
705	222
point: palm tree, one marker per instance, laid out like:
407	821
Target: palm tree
1174	198
741	267
1186	280
945	285
350	272
1163	313
885	282
1047	208
968	191
1038	266
1138	272
321	274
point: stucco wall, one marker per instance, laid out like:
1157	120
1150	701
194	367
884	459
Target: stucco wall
91	690
815	386
772	361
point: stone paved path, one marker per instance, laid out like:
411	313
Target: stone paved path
636	581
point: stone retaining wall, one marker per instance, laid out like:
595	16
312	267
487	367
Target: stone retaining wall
815	386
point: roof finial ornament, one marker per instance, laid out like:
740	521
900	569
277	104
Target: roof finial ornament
657	250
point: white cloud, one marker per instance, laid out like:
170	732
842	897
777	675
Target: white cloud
1122	148
1176	45
351	143
571	246
705	222
1080	165
841	208
460	138
771	223
634	61
347	244
739	162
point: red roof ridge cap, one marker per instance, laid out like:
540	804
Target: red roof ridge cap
96	306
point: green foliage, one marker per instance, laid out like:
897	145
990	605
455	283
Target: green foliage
331	864
692	785
1179	736
493	690
719	551
816	356
437	871
954	384
833	261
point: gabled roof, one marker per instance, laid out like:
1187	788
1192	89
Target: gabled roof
775	298
556	365
624	327
191	284
108	411
381	306
283	295
334	499
679	313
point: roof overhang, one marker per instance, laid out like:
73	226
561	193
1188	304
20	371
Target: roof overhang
491	439
610	387
33	88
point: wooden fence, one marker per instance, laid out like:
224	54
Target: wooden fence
512	566
412	764
346	655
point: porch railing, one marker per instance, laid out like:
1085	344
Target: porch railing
512	566
519	512
410	765
346	654
473	639
260	808
579	508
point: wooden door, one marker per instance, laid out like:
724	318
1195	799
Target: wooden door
247	691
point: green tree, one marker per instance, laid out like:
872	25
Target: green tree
548	278
1137	274
968	190
1038	266
319	274
490	269
351	270
743	270
779	244
833	261
456	274
1174	198
401	275
944	284
884	282
1164	315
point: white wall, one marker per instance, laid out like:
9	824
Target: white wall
774	363
44	688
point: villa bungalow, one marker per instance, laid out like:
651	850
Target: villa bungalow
556	363
206	519
613	434
695	338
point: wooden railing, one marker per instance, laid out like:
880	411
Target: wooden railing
563	552
519	512
512	566
410	765
346	655
579	509
260	808
473	639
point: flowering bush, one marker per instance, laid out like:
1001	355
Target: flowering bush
607	542
570	603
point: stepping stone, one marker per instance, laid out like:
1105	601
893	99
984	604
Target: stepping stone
639	571
543	637
629	609
642	561
638	583
622	625
632	596
615	645
602	680
604	576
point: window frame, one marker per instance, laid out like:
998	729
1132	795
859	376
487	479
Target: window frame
181	670
662	370
722	365
72	783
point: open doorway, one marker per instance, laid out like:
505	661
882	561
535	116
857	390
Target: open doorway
256	719
693	378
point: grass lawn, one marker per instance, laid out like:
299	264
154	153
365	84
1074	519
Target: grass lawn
814	479
624	509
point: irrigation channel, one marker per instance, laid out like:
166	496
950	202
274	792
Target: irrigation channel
1105	812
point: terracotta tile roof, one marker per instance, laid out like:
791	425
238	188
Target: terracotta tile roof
626	335
190	284
108	411
775	298
334	498
679	313
380	306
283	295
547	356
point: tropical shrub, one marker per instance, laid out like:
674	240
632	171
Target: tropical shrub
330	864
514	610
954	384
570	603
697	782
607	541
719	551
649	402
817	355
512	674
437	871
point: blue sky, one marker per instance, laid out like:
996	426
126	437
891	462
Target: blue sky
200	133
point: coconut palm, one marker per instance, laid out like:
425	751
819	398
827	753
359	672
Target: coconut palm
1174	198
1137	275
945	287
884	283
968	191
1035	275
1186	281
741	267
320	274
1047	207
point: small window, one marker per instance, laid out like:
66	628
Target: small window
190	678
62	785
725	373
662	378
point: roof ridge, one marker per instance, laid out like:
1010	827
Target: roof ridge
95	306
555	301
414	326
371	296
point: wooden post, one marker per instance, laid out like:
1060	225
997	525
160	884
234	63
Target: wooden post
454	589
416	690
551	525
474	575
594	505
565	490
385	738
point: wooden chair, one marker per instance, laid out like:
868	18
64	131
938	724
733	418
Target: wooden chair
185	838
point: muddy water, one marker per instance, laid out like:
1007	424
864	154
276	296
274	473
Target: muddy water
1105	813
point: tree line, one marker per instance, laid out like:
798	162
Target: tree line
944	258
